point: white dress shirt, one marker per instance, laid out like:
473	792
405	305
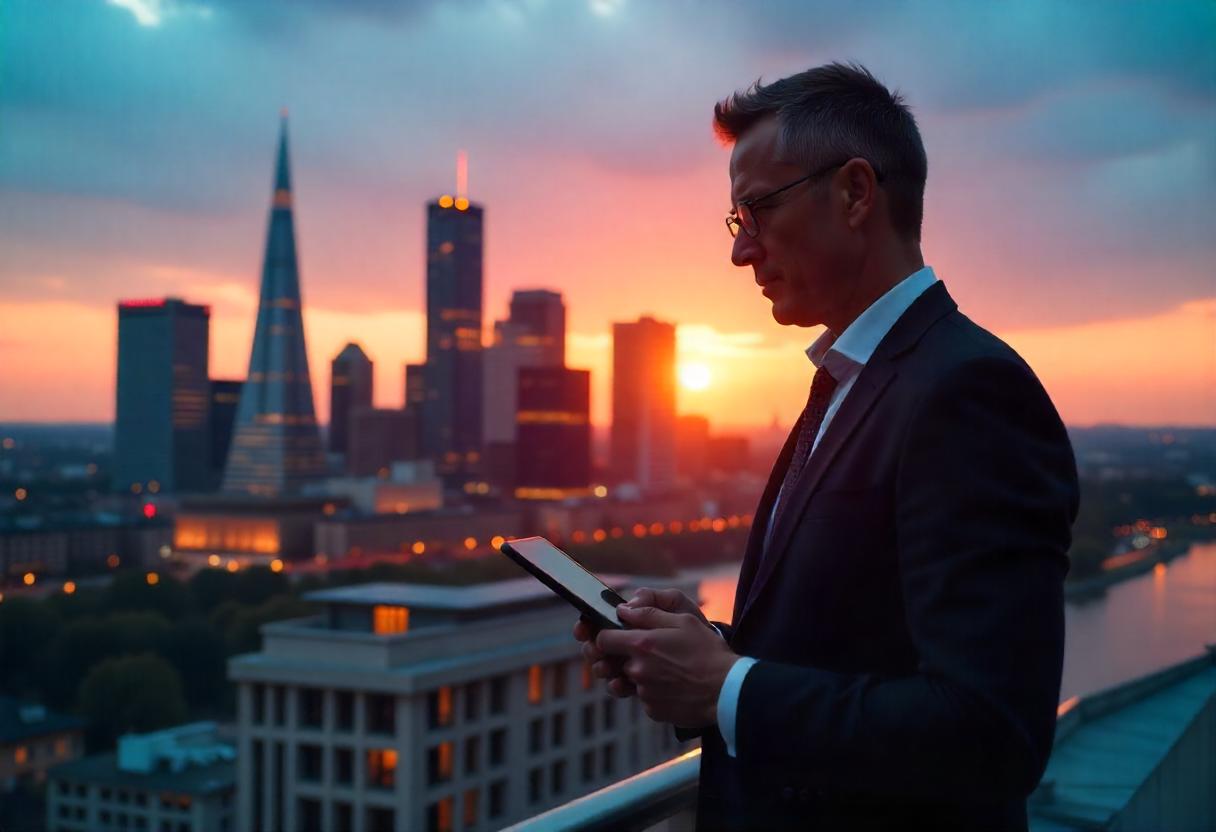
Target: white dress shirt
844	356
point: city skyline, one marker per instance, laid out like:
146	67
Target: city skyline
1066	206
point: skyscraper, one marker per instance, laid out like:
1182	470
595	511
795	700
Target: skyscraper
225	398
533	336
350	387
553	433
161	438
451	418
276	447
644	403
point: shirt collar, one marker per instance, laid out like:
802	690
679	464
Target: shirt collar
845	354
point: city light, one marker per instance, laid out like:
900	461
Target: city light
112	561
149	510
276	565
9	443
419	547
600	491
599	536
446	201
497	540
152	578
20	494
28	578
470	543
213	560
69	587
233	566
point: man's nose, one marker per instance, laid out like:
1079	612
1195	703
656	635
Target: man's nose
746	251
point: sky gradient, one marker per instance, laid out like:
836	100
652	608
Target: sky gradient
1069	207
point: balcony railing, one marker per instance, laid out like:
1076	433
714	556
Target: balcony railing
667	792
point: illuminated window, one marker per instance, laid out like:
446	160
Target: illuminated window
381	768
439	707
61	748
439	764
21	756
439	816
535	684
389	620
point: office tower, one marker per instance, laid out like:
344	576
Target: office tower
534	335
379	437
161	435
350	387
644	403
415	387
424	707
729	454
553	433
451	419
540	315
225	397
276	447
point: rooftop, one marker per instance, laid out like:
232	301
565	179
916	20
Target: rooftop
20	721
448	598
1109	744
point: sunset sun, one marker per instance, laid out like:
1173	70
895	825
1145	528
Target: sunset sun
694	376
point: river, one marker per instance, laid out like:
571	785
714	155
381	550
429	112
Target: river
1137	626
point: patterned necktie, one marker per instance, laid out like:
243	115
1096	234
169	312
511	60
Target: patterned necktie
812	419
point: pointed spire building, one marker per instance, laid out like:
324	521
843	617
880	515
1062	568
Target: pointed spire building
276	447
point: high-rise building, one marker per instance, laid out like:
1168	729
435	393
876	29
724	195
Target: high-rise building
644	403
429	708
451	418
225	398
350	387
553	433
534	335
379	437
276	447
161	434
692	446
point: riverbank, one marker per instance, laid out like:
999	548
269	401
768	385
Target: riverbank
1122	567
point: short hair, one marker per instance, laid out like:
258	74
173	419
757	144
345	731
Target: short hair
837	112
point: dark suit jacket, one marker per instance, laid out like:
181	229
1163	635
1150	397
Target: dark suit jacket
908	616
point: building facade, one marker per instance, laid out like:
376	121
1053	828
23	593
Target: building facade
161	433
225	397
452	412
644	404
178	780
33	740
276	447
378	438
411	708
553	433
350	388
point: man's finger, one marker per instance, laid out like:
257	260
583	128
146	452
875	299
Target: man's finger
649	618
644	597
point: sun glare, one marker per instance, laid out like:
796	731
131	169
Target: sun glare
694	376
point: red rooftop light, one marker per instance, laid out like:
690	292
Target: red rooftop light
149	510
140	302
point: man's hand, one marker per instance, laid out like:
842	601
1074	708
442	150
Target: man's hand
675	661
610	667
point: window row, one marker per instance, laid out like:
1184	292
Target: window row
439	815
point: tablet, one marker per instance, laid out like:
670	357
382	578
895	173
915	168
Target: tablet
562	574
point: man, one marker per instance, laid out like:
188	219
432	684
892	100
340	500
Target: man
894	656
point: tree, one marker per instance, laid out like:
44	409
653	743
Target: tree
130	694
86	641
196	651
26	628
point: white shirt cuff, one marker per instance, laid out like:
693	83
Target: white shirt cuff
728	700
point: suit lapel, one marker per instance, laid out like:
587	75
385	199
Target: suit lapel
869	386
755	538
875	378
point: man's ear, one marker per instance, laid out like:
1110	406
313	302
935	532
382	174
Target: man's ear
858	192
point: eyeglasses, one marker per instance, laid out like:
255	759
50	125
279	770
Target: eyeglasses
743	215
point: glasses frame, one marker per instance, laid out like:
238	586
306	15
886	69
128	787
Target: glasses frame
735	220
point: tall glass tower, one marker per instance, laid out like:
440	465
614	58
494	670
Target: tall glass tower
276	447
451	418
161	434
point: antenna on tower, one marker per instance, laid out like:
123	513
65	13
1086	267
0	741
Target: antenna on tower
462	174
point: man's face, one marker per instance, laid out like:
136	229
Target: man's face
799	255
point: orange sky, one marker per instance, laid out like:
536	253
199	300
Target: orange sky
1161	369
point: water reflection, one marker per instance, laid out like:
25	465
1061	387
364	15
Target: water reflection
1136	627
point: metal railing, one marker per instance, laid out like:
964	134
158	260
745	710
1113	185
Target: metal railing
631	805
